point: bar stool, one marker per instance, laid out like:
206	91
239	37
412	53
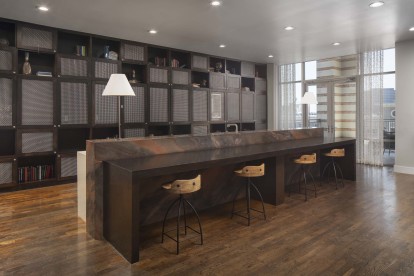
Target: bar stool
333	154
249	172
305	162
182	187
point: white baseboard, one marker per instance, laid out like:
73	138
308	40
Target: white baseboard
403	169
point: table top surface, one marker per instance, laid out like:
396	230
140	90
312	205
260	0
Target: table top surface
150	165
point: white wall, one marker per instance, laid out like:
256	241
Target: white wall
404	151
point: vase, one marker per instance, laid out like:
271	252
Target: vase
27	69
106	52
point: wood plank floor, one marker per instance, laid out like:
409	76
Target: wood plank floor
366	228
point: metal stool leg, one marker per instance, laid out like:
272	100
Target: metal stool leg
198	219
342	176
165	218
323	172
185	220
336	178
313	180
306	184
178	224
261	198
248	201
234	200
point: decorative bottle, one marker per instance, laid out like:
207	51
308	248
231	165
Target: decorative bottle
27	69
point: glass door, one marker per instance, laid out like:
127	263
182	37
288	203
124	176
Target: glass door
336	108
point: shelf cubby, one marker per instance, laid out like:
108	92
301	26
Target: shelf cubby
183	58
72	139
98	46
247	84
200	78
35	162
215	61
8	139
233	128
217	128
105	132
38	62
140	71
248	126
233	67
8	32
181	129
261	71
158	130
160	54
68	41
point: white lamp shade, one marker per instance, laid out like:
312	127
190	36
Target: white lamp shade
309	98
118	85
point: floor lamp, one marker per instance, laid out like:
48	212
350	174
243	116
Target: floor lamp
309	98
118	85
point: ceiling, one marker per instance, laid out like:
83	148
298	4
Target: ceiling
251	29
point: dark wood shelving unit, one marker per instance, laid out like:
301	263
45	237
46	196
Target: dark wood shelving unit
46	120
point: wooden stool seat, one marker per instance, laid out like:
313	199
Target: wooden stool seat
181	187
251	171
248	172
304	161
333	154
336	153
184	186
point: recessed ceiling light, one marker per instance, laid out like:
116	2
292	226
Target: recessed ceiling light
42	8
336	44
289	28
376	4
411	29
152	31
270	56
222	46
215	3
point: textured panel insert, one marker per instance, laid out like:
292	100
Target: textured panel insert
217	106
134	107
6	102
247	69
158	104
233	82
106	107
233	106
6	172
37	142
6	60
133	52
200	106
73	67
37	102
134	132
180	77
217	81
68	166
36	38
74	103
200	62
200	130
180	105
103	70
260	85
261	108
247	107
158	75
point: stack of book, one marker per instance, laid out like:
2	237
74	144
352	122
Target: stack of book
44	74
160	61
35	173
175	63
81	51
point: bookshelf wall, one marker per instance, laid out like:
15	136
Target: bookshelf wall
45	120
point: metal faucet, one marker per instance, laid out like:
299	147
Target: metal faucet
235	125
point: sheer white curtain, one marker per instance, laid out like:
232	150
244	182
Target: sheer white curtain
370	114
287	97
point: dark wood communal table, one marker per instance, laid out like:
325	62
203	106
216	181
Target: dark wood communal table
124	179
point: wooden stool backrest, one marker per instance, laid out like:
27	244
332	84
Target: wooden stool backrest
186	186
308	158
339	152
254	170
